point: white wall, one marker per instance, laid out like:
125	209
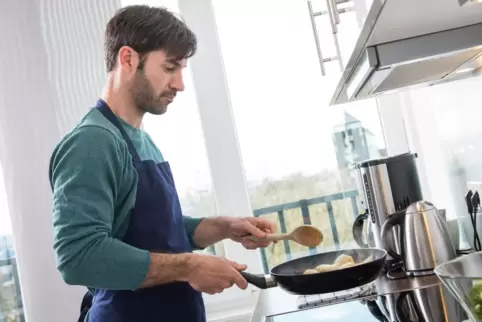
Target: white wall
51	70
439	119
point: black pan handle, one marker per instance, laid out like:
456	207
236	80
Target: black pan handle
259	280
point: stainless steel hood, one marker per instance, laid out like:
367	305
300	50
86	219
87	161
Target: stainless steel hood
406	43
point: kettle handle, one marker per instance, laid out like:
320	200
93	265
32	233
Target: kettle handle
357	229
392	220
400	313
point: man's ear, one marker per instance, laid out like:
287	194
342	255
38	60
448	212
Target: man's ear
128	59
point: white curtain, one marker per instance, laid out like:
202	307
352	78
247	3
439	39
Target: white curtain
51	71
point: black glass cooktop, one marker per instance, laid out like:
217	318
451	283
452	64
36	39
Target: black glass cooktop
353	311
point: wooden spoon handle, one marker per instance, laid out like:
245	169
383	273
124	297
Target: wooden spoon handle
273	237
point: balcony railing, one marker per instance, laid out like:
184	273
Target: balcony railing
304	205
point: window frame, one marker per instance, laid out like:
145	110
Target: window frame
223	152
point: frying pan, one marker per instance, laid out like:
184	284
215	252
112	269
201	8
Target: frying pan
289	275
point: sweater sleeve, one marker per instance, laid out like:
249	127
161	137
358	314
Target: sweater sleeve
190	225
86	170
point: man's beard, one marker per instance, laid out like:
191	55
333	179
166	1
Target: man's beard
143	96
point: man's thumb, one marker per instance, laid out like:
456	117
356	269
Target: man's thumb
255	231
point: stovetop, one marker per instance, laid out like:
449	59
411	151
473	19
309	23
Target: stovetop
352	311
348	305
362	292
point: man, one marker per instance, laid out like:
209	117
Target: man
118	224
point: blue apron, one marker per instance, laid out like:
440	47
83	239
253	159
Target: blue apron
156	224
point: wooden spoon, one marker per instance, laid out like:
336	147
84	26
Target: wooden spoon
305	235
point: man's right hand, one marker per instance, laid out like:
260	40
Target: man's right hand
211	274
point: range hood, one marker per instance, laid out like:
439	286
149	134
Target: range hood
407	43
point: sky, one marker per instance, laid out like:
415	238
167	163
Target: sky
279	98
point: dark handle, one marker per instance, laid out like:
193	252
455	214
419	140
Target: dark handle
392	220
401	314
259	280
376	312
357	230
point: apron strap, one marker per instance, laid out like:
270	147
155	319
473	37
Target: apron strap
108	114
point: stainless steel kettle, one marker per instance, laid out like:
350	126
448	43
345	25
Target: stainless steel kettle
425	239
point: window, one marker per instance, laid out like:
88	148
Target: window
296	150
10	295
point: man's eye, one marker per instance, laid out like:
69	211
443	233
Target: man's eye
170	69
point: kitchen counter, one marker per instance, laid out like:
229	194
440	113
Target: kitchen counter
275	305
386	286
275	301
353	311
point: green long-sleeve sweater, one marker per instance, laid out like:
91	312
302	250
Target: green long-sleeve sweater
94	188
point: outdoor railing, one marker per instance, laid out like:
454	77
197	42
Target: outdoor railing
304	204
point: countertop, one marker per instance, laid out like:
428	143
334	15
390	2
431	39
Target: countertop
275	301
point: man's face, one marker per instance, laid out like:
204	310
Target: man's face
157	82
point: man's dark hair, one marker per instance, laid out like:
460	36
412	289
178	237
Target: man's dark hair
146	29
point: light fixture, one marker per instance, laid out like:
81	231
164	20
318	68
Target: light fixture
464	3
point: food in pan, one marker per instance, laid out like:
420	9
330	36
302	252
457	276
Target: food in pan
346	265
325	268
342	261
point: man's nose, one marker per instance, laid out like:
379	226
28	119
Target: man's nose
178	82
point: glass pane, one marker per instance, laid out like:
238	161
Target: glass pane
296	149
11	308
179	136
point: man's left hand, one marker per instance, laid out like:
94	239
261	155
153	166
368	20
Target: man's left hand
258	227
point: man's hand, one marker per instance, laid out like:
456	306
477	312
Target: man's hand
214	229
238	228
211	274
